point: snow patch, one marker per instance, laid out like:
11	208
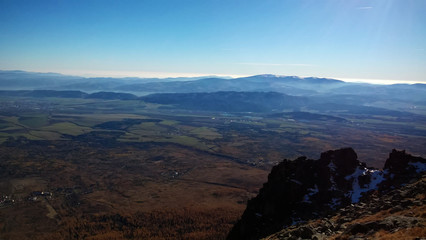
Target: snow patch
376	177
295	181
358	172
311	192
332	169
335	202
419	166
332	166
295	221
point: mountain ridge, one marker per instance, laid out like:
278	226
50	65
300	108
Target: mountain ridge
16	79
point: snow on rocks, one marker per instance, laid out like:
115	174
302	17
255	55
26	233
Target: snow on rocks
375	176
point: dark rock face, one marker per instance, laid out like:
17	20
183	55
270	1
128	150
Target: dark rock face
400	169
306	189
398	210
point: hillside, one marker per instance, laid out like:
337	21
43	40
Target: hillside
398	214
229	101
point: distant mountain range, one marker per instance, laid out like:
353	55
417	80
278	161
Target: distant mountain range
262	93
22	80
292	85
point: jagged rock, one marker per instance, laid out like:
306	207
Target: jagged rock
304	189
362	228
396	208
319	237
402	163
400	168
388	224
358	228
345	160
304	232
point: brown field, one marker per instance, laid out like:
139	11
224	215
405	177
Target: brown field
155	191
152	174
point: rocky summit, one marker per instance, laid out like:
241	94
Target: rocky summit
337	196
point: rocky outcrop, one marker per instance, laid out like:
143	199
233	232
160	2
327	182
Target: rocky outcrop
401	168
304	189
380	216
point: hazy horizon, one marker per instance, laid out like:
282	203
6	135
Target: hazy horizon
112	74
379	41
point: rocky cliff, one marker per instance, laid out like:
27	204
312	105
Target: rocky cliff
303	191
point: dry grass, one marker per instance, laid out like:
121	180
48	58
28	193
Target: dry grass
409	233
138	184
170	224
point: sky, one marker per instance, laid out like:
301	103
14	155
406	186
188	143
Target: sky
354	40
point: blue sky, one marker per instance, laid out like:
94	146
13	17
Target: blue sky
345	39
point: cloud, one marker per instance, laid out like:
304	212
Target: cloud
364	8
277	64
378	81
